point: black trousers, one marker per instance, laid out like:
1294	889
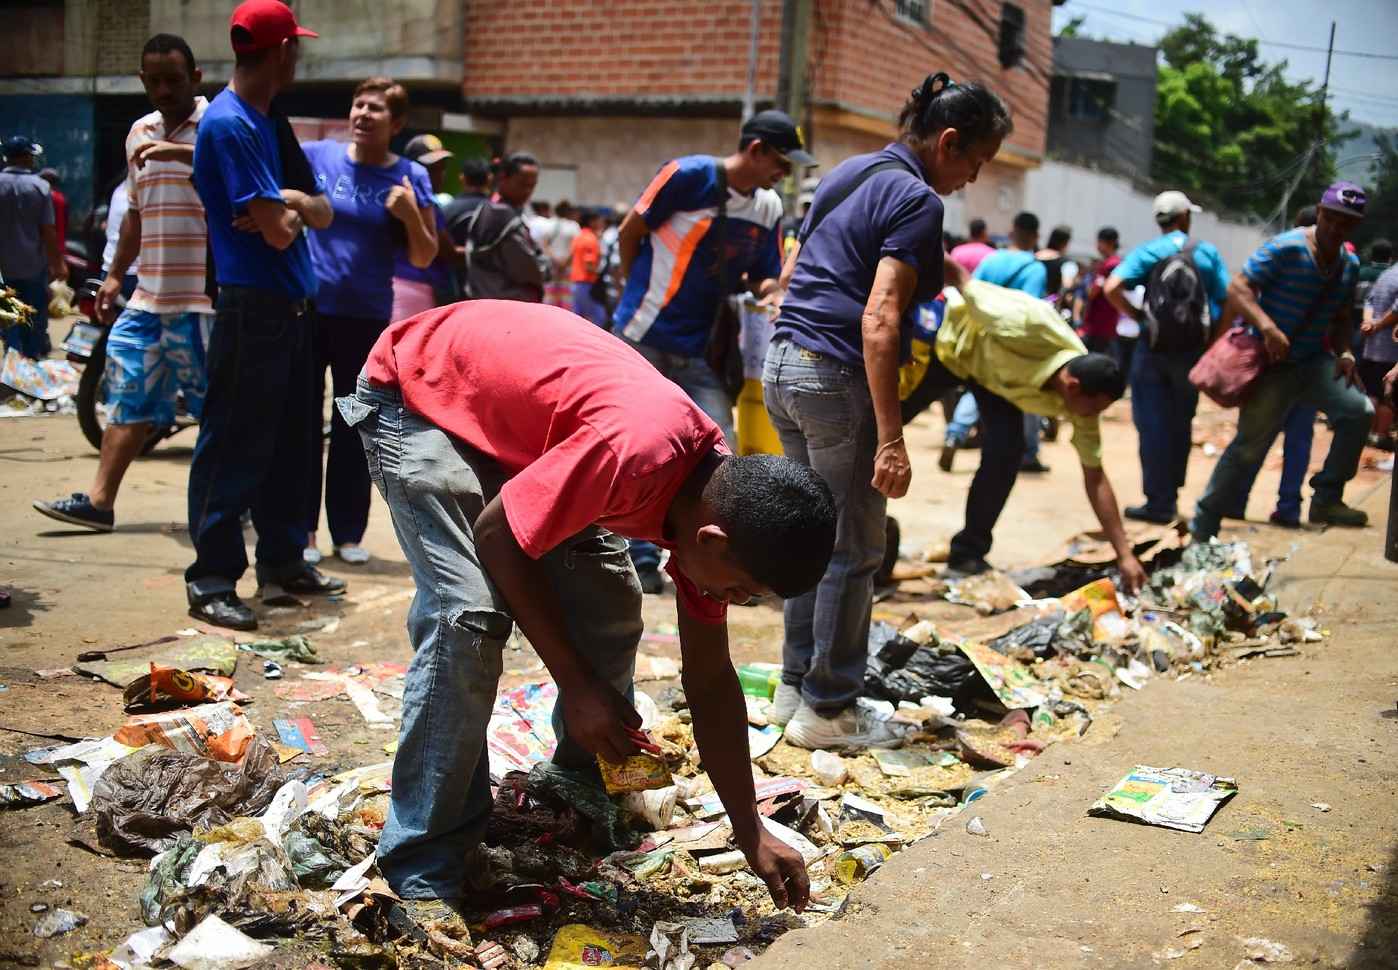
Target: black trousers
256	435
341	344
1002	449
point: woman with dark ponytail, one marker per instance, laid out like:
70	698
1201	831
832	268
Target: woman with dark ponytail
868	253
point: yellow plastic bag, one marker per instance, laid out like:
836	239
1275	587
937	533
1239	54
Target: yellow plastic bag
577	946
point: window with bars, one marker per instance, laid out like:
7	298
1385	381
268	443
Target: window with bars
914	11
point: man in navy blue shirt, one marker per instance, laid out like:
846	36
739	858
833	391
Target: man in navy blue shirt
260	429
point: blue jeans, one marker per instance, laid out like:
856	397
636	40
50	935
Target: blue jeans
258	433
588	308
1162	408
823	414
963	419
31	339
1033	431
697	379
1298	433
1304	384
435	487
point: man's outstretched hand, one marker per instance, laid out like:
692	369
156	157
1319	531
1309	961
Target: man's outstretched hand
598	719
782	869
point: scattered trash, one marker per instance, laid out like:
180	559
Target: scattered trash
28	793
639	772
1188	908
219	731
577	946
271	670
1320	806
140	947
1262	950
857	864
708	932
1175	952
294	648
976	826
206	654
166	687
214	945
655	808
990	592
829	768
301	734
669	947
56	922
1174	798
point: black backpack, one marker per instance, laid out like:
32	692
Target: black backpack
1177	305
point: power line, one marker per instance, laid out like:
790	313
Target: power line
1269	43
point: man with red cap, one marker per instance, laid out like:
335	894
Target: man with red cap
260	427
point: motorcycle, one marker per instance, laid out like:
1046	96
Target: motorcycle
86	346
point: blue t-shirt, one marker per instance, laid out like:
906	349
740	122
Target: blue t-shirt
1135	269
672	294
236	160
437	273
893	213
1014	269
354	255
1289	282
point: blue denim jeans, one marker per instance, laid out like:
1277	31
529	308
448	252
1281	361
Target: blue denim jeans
435	487
963	419
257	435
1033	431
1162	407
30	339
1298	433
823	414
697	379
1306	384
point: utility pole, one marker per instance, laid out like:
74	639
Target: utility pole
1313	154
791	73
754	30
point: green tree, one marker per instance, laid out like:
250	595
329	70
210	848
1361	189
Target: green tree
1230	127
1381	216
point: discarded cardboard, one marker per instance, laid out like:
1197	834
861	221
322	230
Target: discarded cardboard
209	654
1174	798
300	733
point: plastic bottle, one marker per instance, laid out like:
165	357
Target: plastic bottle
760	679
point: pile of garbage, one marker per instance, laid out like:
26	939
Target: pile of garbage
253	846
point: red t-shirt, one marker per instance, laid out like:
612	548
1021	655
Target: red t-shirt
587	248
1100	317
589	431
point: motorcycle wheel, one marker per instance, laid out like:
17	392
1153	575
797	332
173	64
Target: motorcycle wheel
92	395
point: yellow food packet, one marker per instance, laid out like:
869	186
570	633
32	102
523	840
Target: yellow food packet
640	772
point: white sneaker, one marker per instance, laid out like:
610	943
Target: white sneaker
311	556
353	553
853	727
784	704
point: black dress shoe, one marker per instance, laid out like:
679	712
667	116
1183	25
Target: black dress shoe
226	610
961	568
309	581
1144	513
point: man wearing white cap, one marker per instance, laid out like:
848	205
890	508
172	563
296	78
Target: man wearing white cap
1186	285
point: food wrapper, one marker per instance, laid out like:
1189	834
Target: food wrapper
219	731
28	793
1099	598
166	687
639	772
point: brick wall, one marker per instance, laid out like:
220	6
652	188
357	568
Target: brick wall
868	61
625	49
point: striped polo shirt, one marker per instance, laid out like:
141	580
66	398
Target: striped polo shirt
1289	284
174	235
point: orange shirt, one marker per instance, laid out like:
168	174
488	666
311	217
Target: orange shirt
587	248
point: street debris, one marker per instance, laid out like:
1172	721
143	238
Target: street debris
1173	798
259	838
1261	950
56	922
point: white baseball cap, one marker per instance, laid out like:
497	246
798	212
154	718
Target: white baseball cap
1172	203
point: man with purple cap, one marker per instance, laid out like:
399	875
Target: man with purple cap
260	427
1296	292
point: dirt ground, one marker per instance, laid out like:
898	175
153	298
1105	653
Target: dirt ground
1048	888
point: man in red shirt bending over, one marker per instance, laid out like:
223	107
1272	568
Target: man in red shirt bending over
516	445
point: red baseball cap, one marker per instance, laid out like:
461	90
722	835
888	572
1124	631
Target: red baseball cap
268	22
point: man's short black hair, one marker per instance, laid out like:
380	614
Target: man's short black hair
1059	237
1099	375
780	520
1109	234
164	44
1305	216
977	228
1027	222
1381	251
475	171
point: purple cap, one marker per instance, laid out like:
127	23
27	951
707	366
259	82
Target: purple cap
1345	197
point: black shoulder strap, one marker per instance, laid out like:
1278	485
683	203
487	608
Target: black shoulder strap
720	231
830	203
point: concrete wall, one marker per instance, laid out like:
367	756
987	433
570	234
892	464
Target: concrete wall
1087	200
1122	141
63	124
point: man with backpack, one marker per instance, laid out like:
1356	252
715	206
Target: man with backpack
503	260
1186	286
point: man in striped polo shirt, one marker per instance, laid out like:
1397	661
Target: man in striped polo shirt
156	346
1296	292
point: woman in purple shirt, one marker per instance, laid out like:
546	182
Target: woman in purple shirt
869	252
383	206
